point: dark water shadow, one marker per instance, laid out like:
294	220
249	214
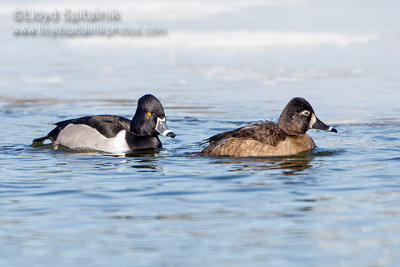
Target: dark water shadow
288	165
143	160
142	153
147	165
92	152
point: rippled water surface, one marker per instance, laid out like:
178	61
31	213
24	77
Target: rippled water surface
221	66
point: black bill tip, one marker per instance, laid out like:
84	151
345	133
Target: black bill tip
322	126
333	130
170	134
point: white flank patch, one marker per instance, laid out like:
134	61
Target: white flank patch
84	136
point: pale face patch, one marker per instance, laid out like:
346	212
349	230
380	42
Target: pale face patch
161	127
84	136
312	121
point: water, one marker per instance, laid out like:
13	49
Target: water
221	66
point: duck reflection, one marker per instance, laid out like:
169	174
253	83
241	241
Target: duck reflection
291	165
142	153
146	161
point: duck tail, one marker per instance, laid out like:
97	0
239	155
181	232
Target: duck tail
52	136
40	140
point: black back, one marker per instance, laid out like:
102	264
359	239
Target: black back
107	125
265	132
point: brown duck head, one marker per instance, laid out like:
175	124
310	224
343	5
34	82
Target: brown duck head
298	117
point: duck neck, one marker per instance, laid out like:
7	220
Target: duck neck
143	142
135	126
288	129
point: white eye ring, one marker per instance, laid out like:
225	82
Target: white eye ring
305	113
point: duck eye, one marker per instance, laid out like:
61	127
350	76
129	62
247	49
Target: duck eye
148	114
305	113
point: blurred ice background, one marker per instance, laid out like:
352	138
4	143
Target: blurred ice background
338	54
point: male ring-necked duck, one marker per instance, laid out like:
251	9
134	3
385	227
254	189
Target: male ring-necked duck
287	137
114	134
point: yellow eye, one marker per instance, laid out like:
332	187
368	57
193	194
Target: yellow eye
306	113
148	114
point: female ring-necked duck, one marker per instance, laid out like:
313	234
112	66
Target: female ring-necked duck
114	134
287	137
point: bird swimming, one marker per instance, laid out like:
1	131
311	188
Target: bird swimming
110	133
264	139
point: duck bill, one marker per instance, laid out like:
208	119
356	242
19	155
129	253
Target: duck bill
163	129
315	123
